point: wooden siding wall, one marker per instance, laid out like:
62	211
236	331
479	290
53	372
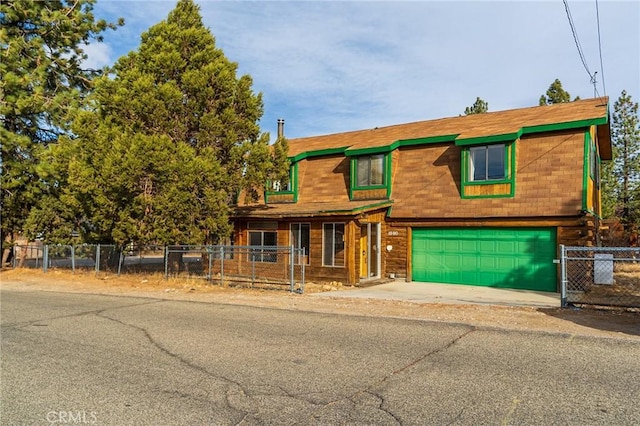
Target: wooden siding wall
396	259
548	179
324	179
369	194
486	190
280	198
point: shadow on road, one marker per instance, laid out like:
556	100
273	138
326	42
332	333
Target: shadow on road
609	320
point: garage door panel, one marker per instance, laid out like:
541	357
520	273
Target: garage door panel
499	257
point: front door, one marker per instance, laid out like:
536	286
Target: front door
364	252
370	251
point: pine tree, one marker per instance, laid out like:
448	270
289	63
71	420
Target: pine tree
556	94
171	141
621	177
479	106
42	83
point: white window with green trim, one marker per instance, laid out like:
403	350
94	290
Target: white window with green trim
370	171
333	244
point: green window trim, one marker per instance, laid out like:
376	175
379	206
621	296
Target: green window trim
294	186
510	173
386	175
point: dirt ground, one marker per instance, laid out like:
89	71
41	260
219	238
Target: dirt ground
569	321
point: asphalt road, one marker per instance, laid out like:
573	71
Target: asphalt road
89	359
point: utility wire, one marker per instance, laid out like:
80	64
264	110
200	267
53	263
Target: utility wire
592	77
604	87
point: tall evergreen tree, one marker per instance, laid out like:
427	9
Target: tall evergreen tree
171	141
43	81
556	94
479	106
621	177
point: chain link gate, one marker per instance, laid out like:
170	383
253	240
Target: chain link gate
603	276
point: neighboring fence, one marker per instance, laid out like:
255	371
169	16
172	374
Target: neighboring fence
603	276
248	265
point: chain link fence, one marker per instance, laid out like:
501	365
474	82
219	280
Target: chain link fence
28	256
603	276
241	265
248	265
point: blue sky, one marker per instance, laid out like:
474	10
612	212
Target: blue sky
328	66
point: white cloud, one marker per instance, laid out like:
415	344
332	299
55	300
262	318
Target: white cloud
98	55
336	66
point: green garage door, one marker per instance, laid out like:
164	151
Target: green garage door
519	258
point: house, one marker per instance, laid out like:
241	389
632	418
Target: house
482	199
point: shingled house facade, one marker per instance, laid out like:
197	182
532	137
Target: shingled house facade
482	199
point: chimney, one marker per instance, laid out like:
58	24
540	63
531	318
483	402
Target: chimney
280	128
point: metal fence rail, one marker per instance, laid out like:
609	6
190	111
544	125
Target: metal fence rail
603	276
249	265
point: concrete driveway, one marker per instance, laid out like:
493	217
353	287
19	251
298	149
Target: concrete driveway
449	293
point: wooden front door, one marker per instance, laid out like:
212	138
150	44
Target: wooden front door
364	252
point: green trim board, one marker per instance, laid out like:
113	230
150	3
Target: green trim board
519	258
481	140
400	143
585	170
317	153
590	155
510	173
485	140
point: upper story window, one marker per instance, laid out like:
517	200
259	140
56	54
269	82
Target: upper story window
277	186
370	170
488	171
487	163
279	191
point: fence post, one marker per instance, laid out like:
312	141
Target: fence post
15	256
120	260
97	266
222	265
253	265
563	276
209	274
45	258
73	258
304	263
166	262
292	260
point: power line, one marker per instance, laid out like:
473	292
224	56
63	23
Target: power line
604	88
592	77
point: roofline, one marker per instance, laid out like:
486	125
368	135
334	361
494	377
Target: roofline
316	213
567	125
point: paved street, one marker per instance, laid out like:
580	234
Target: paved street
81	358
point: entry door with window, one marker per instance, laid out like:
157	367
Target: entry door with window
370	251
